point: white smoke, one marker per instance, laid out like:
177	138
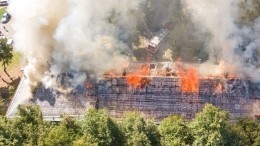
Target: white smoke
60	36
168	55
237	45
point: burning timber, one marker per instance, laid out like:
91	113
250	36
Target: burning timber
156	90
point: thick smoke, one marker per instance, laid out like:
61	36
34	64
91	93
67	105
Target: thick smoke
236	45
71	35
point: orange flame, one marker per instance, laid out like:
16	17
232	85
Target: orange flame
136	77
189	80
219	88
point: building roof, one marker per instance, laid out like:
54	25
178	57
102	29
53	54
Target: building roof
161	97
51	102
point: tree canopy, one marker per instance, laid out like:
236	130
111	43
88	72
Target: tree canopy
174	131
6	55
209	127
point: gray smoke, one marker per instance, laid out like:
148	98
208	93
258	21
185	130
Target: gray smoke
238	46
71	35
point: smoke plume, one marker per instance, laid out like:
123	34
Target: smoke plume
71	35
234	44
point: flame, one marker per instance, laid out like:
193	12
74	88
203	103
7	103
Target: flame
145	70
219	88
136	77
189	80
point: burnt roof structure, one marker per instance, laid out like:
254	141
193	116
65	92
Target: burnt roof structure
160	96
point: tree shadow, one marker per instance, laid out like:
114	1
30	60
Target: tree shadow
6	94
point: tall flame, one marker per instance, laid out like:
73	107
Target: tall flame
136	77
219	88
189	80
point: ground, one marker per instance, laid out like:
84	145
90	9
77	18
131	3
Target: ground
13	69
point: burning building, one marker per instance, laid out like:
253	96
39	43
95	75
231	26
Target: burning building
90	36
156	90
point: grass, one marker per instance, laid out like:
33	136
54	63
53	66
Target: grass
15	61
2	11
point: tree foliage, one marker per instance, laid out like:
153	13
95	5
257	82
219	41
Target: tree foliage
6	55
174	131
249	131
23	130
62	134
28	126
209	127
98	129
137	131
58	136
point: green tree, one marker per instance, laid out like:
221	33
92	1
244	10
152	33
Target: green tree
63	133
24	130
232	137
5	132
249	131
6	56
153	133
137	132
98	129
27	128
174	132
59	135
208	127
